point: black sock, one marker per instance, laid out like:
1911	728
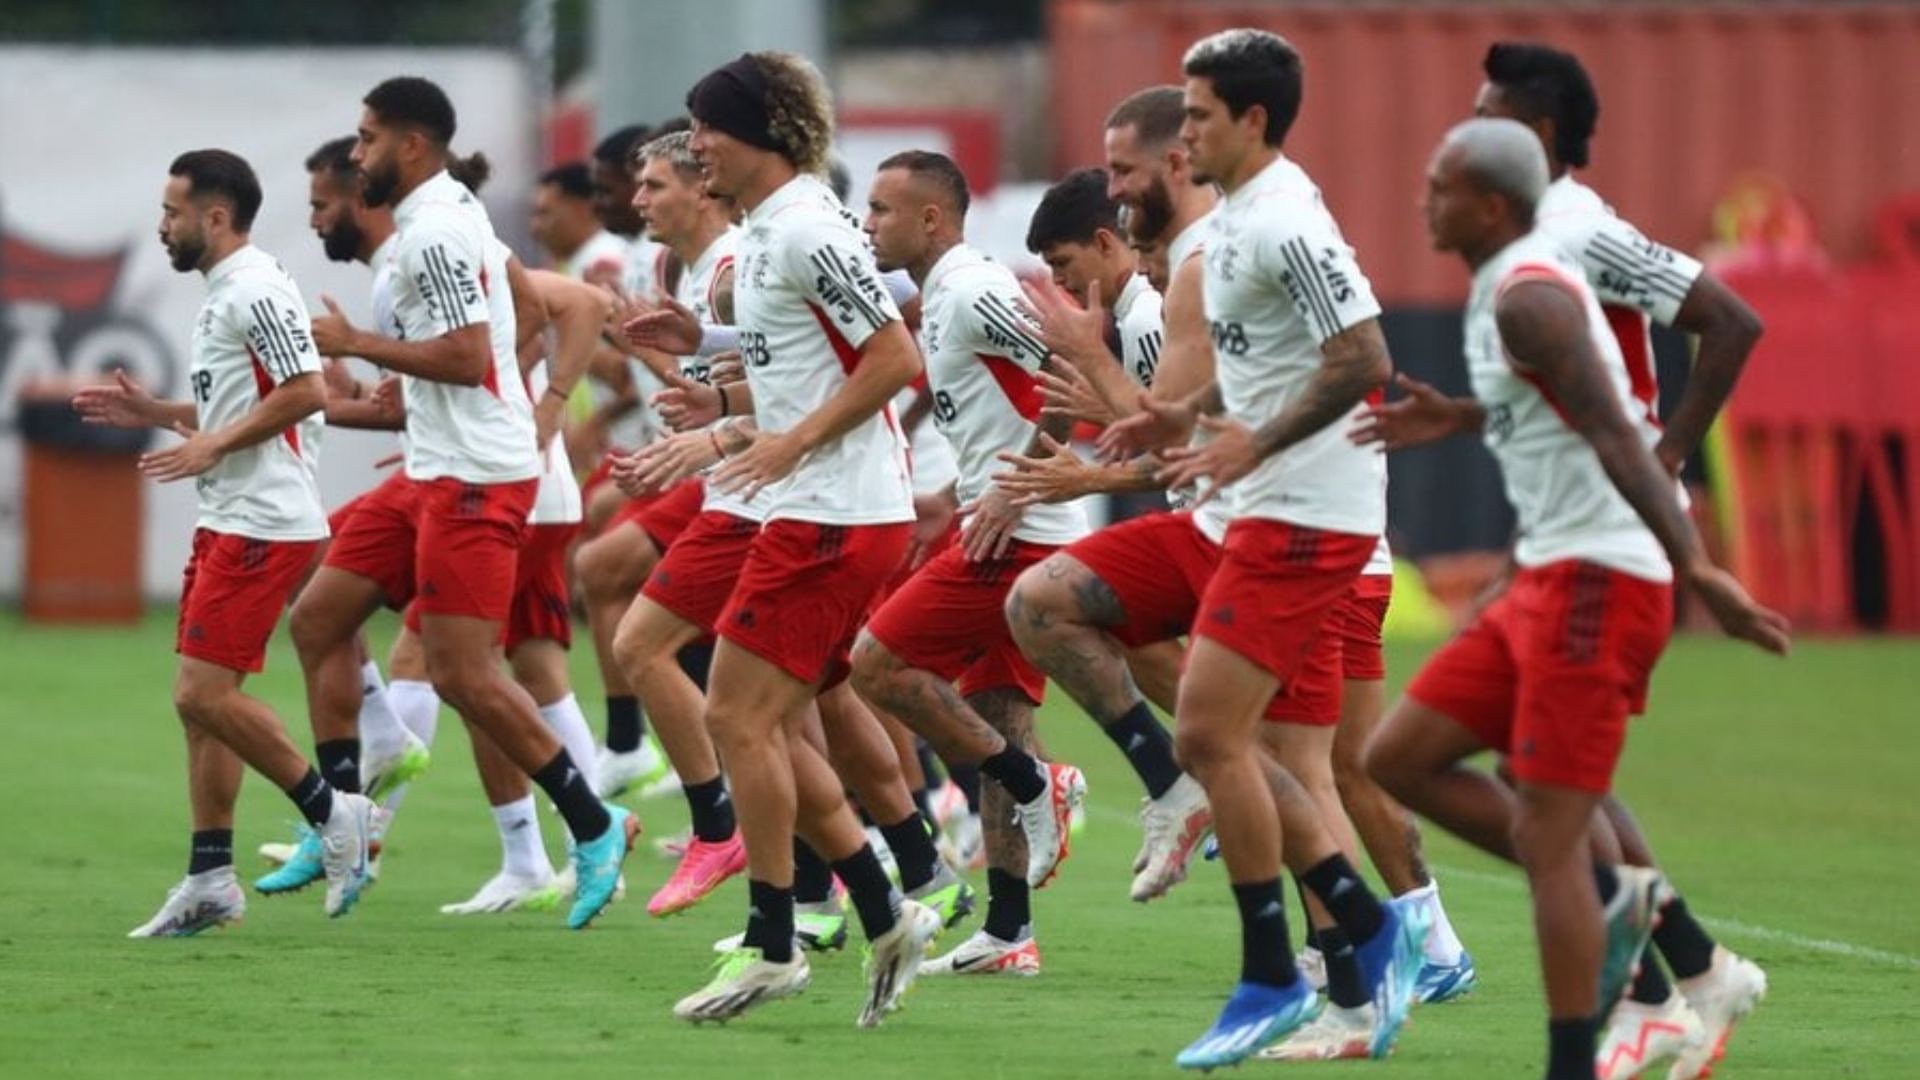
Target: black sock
566	785
1009	904
913	851
314	796
967	778
1605	880
1570	1048
339	761
625	727
696	659
1265	956
1345	985
873	897
923	802
769	921
1017	771
712	809
812	877
1148	747
1345	895
1683	942
212	849
1650	986
930	764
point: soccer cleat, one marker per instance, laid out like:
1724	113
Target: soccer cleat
702	869
278	852
819	928
984	954
1046	820
301	869
893	959
1639	1034
951	898
200	902
596	866
1313	967
506	892
964	842
1337	1034
1255	1015
614	771
948	803
1390	967
380	774
1630	918
1174	824
1721	997
1445	982
743	979
346	843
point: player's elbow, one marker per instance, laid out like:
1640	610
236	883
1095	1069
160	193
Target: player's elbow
307	393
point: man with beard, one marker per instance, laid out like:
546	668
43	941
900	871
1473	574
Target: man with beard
252	442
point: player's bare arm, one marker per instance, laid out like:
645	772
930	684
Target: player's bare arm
1421	415
125	403
284	406
575	310
462	357
996	514
1728	330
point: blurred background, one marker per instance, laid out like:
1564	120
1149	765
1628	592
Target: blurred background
1781	141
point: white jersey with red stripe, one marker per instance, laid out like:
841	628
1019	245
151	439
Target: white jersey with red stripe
450	273
1211	517
252	334
1281	281
982	360
807	297
1566	506
602	259
1634	277
697	289
1137	320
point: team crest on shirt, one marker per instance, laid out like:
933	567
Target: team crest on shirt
1499	425
1221	260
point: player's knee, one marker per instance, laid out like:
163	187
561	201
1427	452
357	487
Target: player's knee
873	667
1199	748
196	701
1037	602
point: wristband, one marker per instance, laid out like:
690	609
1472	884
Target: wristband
717	339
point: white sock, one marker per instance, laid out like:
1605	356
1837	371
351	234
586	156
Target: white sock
417	706
381	731
570	724
521	848
1443	945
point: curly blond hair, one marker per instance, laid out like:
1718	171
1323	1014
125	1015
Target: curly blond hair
799	110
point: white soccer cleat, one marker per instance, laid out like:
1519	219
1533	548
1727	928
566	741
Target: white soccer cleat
744	980
386	768
506	892
200	902
1721	996
1313	967
893	959
984	954
1174	824
278	853
346	850
614	771
964	843
948	803
1046	821
1639	1034
1338	1034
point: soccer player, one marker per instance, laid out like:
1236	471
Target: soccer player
448	537
825	351
1549	673
946	626
1298	347
252	434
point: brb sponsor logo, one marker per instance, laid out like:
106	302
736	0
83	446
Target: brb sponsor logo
59	320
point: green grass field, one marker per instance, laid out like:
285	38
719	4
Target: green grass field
1778	794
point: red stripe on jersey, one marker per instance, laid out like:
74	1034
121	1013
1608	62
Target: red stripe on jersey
1540	385
1546	275
1021	388
1629	328
263	383
842	348
713	283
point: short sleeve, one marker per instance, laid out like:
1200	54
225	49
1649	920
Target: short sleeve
442	267
1628	269
274	321
1317	269
837	277
998	328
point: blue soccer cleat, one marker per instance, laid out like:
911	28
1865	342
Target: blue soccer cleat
1255	1015
596	865
1390	963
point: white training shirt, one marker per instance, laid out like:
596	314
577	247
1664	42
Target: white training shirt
697	289
982	358
1136	315
1566	506
1212	517
252	334
557	501
1280	281
602	258
807	297
449	273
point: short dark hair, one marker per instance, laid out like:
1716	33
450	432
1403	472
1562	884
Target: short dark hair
1155	114
1541	81
1248	68
472	170
414	102
1072	211
573	179
617	149
938	170
223	175
335	156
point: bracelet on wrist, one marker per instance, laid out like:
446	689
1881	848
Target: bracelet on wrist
726	407
559	393
714	436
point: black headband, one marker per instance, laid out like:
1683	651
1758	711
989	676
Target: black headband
733	100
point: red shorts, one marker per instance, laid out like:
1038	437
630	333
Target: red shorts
1158	566
337	521
698	573
446	546
1549	672
1276	585
1347	648
950	619
542	609
664	515
232	594
804	590
602	474
907	568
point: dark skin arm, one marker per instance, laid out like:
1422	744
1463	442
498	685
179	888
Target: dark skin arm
1728	330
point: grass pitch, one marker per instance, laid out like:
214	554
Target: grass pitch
1778	794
